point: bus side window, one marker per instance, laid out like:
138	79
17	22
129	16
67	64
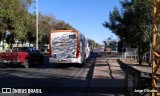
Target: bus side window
83	41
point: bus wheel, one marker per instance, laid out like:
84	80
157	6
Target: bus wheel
80	64
84	61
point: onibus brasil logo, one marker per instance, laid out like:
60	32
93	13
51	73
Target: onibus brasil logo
14	90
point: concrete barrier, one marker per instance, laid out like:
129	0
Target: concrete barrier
136	77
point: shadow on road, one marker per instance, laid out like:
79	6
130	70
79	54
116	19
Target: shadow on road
46	63
42	77
63	66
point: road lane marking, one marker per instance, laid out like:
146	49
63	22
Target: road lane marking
71	74
79	73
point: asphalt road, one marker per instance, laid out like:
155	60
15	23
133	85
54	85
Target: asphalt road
53	79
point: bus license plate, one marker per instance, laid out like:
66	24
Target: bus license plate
54	56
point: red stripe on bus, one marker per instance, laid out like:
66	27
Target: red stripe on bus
78	45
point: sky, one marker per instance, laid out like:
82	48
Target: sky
87	16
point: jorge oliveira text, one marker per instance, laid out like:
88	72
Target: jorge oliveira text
144	90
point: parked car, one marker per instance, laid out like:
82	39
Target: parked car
23	56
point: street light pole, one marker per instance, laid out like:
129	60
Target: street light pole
37	24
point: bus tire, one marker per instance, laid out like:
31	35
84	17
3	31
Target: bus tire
80	64
84	61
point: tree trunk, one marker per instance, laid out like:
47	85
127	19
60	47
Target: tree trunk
140	56
3	38
141	59
11	45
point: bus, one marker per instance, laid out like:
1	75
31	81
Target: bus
89	48
67	46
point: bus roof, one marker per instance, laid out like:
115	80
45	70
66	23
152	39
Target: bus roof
64	31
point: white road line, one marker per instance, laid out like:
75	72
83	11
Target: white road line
79	73
71	74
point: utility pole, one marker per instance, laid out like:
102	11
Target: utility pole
155	55
37	24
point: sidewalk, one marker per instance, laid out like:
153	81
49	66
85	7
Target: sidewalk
142	68
108	78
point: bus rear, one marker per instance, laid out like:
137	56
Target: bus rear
64	46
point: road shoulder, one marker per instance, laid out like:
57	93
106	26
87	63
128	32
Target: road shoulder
108	78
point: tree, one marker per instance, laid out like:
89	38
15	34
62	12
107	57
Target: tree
110	43
13	18
61	25
94	44
132	23
25	3
46	23
7	16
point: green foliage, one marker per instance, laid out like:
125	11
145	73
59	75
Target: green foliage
133	23
95	45
61	25
15	18
25	3
46	23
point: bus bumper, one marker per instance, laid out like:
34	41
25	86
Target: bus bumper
68	60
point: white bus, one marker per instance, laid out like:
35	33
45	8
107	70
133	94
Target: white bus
67	46
87	47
